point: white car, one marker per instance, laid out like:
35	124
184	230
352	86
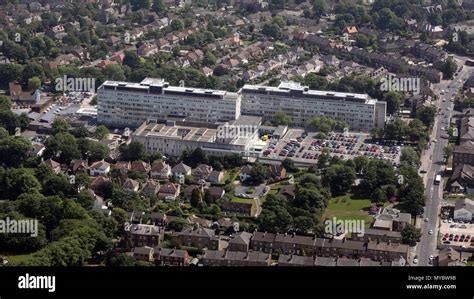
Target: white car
430	232
431	257
450	220
415	261
427	219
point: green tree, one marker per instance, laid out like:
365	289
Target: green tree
378	196
394	100
259	173
101	132
5	103
411	234
409	156
196	197
177	25
338	178
281	118
271	30
34	83
60	126
319	8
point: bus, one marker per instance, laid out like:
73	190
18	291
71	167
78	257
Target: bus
437	180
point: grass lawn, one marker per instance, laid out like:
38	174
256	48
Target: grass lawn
454	198
230	176
250	190
243	200
347	208
16	259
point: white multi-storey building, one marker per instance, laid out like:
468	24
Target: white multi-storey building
125	104
172	138
302	104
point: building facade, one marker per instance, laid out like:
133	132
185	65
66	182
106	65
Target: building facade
124	104
302	104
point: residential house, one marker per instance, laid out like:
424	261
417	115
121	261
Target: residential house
240	242
140	167
147	49
295	260
150	188
99	168
169	191
196	236
216	192
146	235
235	258
398	220
463	154
201	222
350	30
463	210
161	170
386	251
202	171
451	257
55	166
131	185
216	177
78	165
240	207
263	241
159	219
277	172
121	168
462	179
171	257
321	261
378	235
245	172
135	217
294	244
143	253
181	170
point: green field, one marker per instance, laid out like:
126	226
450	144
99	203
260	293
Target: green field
243	200
347	208
16	259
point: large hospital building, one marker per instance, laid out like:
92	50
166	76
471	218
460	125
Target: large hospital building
125	104
361	112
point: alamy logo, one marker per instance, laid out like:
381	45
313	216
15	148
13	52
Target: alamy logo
232	131
28	281
338	227
71	84
23	226
406	84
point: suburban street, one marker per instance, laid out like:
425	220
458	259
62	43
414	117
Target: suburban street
432	162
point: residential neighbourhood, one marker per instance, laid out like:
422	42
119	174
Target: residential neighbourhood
238	133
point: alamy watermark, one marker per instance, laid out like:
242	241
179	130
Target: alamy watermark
338	227
232	131
70	84
406	84
22	226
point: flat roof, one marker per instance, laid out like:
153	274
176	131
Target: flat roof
293	89
198	134
160	86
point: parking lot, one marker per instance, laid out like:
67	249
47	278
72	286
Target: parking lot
457	234
306	147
